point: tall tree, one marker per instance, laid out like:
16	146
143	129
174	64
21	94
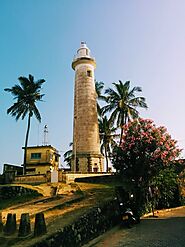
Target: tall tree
99	85
68	155
26	95
107	137
146	157
123	103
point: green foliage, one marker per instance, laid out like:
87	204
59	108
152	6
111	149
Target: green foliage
144	150
167	192
26	94
147	157
99	85
122	103
68	155
107	137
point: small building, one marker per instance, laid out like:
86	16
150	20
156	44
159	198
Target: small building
18	170
41	159
9	173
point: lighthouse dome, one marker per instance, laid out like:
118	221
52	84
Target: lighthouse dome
83	51
83	56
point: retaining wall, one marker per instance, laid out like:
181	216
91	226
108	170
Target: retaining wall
62	177
104	178
31	179
71	177
8	192
85	228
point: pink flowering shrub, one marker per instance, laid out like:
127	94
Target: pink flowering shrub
147	153
144	150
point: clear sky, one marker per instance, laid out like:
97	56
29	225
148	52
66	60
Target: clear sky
138	40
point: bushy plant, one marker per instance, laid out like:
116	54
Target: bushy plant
166	184
145	151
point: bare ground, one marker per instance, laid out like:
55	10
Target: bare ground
72	201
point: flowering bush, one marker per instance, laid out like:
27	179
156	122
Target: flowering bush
144	148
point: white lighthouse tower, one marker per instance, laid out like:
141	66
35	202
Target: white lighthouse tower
86	143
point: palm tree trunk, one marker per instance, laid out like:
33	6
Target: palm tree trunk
106	158
123	122
26	144
121	135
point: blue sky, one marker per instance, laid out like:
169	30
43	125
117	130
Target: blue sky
139	40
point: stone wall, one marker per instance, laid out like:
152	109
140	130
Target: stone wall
103	178
65	177
71	177
85	228
7	192
31	179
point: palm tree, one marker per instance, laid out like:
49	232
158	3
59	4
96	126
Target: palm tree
107	136
99	85
68	155
122	103
26	95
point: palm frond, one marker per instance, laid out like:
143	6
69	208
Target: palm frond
31	78
25	83
67	154
99	87
122	102
36	113
26	95
114	115
138	102
38	84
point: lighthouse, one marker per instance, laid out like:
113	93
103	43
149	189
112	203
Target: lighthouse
86	142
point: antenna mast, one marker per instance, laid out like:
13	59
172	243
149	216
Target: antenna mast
45	142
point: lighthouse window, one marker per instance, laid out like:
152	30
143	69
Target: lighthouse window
89	73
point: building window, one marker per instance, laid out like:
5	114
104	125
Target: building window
89	73
35	156
51	157
95	169
30	170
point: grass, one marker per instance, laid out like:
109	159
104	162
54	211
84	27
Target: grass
16	200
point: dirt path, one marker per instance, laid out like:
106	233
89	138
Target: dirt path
58	212
47	204
165	231
36	206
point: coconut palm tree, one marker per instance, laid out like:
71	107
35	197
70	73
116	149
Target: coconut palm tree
26	95
122	103
107	137
99	85
68	155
